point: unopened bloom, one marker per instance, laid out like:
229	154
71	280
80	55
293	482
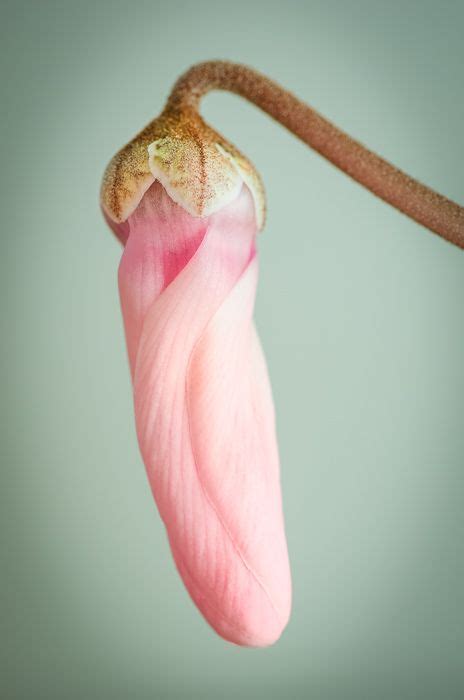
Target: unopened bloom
188	207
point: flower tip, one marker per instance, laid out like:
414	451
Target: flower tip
261	636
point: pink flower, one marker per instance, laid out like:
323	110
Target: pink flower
203	407
187	207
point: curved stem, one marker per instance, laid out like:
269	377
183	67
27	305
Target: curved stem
432	210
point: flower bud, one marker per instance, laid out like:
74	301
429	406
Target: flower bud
188	207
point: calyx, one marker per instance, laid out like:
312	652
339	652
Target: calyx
200	170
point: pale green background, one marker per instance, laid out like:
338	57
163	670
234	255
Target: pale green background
360	312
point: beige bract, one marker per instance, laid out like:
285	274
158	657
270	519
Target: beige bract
200	170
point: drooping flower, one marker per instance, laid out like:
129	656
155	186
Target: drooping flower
187	207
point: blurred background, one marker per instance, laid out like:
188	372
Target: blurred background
360	314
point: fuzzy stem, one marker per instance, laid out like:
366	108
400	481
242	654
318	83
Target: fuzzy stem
432	210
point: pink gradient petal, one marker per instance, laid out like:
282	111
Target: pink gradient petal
204	412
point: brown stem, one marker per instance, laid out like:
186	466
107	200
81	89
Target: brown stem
432	210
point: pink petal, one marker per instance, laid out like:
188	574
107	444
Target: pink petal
204	412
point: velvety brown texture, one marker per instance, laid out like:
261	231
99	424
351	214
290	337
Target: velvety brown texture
437	213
